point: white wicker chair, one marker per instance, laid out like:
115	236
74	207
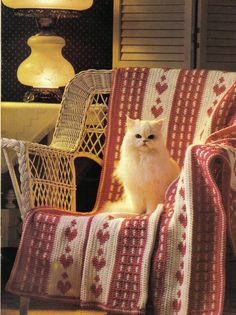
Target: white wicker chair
47	173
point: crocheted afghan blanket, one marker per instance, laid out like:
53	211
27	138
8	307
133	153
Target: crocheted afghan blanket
93	261
169	262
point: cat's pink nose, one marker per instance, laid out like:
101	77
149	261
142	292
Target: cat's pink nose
145	140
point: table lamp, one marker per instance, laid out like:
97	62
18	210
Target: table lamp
45	69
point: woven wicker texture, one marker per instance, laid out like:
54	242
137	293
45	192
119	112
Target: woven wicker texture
48	173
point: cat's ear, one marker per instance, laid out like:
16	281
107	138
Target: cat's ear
130	122
158	123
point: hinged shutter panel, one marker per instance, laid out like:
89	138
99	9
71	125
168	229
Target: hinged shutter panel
217	36
152	33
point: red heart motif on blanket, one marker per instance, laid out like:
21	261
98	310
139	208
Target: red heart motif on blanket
209	111
182	248
219	89
180	277
182	192
66	261
161	87
177	305
98	264
158	101
156	111
184	236
64	286
103	237
71	234
96	290
183	220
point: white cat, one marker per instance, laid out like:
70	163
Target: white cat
145	168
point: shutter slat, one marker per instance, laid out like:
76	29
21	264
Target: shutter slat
221	65
152	41
153	9
155	63
153	17
151	2
221	17
222	2
152	49
153	25
222	50
223	9
220	26
153	57
153	33
224	42
221	58
221	34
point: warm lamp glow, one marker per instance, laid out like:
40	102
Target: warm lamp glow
45	67
46	70
49	4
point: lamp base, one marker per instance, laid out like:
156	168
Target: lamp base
43	95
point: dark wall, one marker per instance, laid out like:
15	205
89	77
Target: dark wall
88	43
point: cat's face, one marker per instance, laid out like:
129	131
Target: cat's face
143	135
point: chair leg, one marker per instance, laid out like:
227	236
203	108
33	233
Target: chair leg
24	305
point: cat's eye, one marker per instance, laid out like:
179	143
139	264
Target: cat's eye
151	137
138	136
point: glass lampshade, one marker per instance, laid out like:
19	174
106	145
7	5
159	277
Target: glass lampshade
49	4
45	67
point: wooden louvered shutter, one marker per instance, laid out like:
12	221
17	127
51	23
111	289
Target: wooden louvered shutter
217	35
153	33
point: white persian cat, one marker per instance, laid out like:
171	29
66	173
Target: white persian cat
145	168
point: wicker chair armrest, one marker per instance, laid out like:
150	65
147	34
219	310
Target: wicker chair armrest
19	145
47	175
